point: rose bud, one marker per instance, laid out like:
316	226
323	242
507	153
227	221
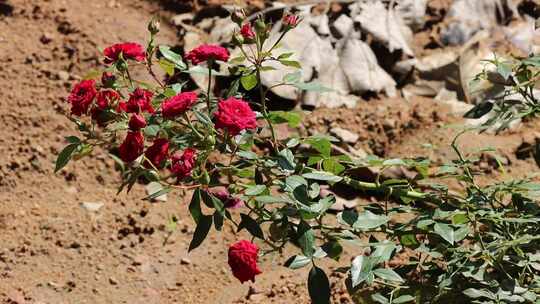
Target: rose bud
108	79
157	153
290	21
154	26
238	16
243	260
247	32
136	122
132	147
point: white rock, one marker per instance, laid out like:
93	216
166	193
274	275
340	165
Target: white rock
386	26
343	25
91	206
182	18
450	99
320	22
413	12
345	135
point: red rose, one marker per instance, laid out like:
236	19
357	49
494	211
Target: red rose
247	32
132	147
136	122
158	152
235	115
228	200
178	104
182	165
81	97
129	50
207	52
243	261
106	98
290	21
140	100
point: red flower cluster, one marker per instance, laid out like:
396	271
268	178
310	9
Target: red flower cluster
178	105
81	97
139	101
182	165
157	153
235	115
132	147
243	260
129	50
207	52
228	200
247	32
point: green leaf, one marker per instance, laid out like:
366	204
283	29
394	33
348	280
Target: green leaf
297	261
218	220
312	86
477	293
504	69
65	156
250	225
333	249
409	240
285	55
445	231
255	190
403	299
322	144
158	193
173	57
73	139
361	269
195	206
292	118
267	199
323	176
363	221
333	166
379	298
249	81
306	238
166	66
286	160
318	286
388	275
203	227
292	77
151	130
291	63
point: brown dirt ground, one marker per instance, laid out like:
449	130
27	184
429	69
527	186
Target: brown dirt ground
53	251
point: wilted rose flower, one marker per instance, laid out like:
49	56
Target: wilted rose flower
178	105
158	152
81	97
132	147
129	50
226	198
136	122
243	260
183	164
235	115
139	101
247	32
207	52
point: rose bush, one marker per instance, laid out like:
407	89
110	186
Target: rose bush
479	245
